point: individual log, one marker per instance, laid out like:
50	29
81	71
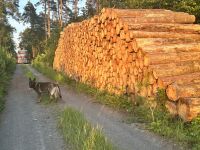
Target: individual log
173	69
171	107
158	27
175	91
188	111
163	58
146	42
181	79
170	18
147	34
191	101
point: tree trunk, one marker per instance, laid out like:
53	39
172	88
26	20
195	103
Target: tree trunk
45	20
49	20
75	9
60	13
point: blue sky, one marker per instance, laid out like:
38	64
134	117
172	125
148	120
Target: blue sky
19	25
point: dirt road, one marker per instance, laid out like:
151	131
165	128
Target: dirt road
124	136
24	124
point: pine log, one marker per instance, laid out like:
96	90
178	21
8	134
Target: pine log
181	79
180	28
188	111
145	42
163	58
173	69
136	12
172	48
171	18
175	91
146	34
172	107
191	101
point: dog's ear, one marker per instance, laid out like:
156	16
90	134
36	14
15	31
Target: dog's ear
29	79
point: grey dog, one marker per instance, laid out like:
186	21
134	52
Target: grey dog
52	89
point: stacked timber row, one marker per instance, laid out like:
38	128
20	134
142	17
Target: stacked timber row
136	52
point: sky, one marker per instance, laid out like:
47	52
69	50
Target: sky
20	27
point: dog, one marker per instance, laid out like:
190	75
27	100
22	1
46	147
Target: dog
52	89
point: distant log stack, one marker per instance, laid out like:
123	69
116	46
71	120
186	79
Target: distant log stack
136	51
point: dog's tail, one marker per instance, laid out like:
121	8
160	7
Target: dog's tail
55	91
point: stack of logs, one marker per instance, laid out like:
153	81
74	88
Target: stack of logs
136	52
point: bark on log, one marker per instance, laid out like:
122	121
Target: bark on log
172	108
181	79
174	69
146	34
173	18
163	58
151	27
188	112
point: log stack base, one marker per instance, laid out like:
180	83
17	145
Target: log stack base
136	52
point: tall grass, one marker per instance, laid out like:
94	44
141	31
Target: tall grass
7	66
27	72
80	134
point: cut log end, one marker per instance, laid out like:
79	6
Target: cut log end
172	92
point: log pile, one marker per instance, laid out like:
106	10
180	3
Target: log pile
136	51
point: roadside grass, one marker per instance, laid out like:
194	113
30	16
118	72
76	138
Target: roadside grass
4	82
7	67
156	118
80	134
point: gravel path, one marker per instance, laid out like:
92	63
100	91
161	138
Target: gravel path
24	124
124	136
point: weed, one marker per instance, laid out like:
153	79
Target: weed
80	134
7	67
28	73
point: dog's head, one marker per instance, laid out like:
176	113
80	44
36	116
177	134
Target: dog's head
32	83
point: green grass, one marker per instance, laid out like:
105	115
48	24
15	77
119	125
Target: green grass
155	119
80	134
7	67
27	72
4	83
